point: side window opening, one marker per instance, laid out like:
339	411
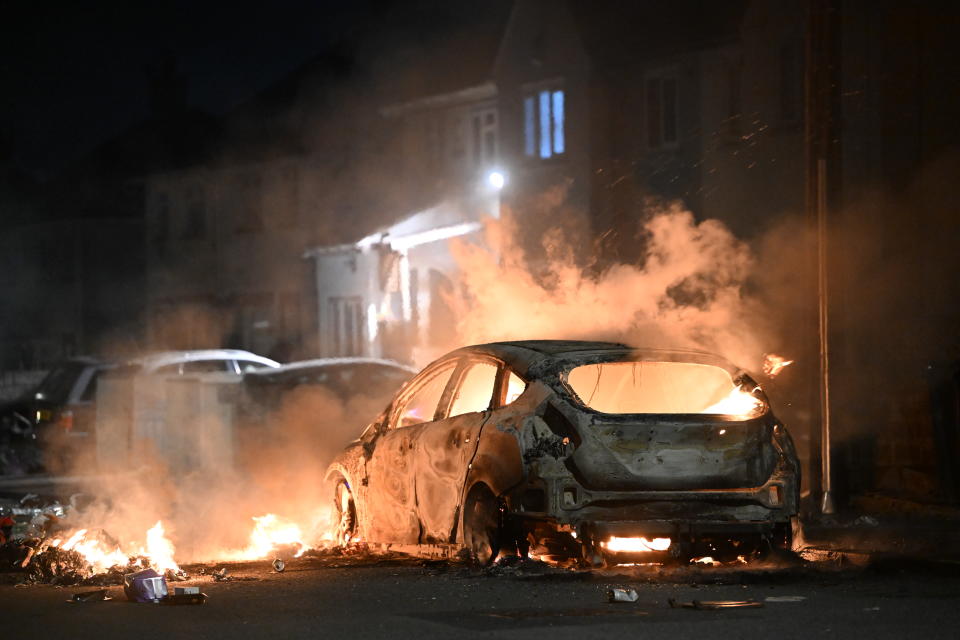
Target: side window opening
515	386
475	391
421	405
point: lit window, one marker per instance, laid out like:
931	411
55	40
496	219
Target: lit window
475	390
515	387
543	124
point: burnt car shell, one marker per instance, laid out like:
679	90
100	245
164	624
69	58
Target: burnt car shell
566	478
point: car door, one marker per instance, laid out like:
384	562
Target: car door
390	499
445	447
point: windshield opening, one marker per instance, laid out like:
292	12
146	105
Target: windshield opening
662	387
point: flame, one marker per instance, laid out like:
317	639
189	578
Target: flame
159	550
635	545
270	532
706	560
774	364
739	403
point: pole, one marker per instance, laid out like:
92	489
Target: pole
823	301
818	135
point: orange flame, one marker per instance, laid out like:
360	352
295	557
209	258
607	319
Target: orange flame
739	403
635	545
774	364
159	551
270	532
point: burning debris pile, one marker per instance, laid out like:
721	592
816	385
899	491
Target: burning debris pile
45	548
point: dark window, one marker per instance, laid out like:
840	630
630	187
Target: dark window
195	224
662	108
791	82
207	366
161	223
246	202
287	201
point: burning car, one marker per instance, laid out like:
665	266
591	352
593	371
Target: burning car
564	449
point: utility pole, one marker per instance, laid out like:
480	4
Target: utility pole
821	138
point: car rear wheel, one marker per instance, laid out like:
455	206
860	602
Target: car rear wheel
482	525
346	513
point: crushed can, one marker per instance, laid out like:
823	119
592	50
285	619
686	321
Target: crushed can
145	586
622	595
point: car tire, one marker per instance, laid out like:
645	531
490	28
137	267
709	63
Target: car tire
346	513
482	525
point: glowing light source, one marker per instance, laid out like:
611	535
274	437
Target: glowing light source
635	545
496	179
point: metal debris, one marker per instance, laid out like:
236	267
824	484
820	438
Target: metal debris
184	598
622	595
100	595
279	565
715	604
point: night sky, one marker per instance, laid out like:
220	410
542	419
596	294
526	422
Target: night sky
74	74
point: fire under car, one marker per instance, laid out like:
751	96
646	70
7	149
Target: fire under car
567	450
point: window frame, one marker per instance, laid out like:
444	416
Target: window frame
393	414
458	377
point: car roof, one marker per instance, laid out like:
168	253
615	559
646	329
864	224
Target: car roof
154	361
319	363
533	357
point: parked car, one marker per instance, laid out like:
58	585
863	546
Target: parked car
200	361
342	376
58	416
565	449
319	404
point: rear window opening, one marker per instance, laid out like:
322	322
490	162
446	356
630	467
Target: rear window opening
662	387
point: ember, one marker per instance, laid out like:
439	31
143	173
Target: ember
774	364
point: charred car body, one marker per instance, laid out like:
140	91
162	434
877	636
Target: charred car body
572	449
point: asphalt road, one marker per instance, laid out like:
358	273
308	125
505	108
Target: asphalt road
357	599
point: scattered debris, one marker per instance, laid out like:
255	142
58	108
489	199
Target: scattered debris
785	598
185	598
221	575
622	595
145	586
279	565
715	604
186	591
868	521
100	595
526	568
178	575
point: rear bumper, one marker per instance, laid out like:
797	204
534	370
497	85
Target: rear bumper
559	499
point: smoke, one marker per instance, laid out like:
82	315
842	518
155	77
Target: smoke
208	477
690	290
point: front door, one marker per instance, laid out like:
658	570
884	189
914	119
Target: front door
446	447
390	496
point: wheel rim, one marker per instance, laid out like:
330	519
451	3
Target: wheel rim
346	514
482	526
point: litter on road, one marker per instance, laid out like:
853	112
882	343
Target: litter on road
622	595
715	604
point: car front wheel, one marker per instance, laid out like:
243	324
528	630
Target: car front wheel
482	525
346	513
